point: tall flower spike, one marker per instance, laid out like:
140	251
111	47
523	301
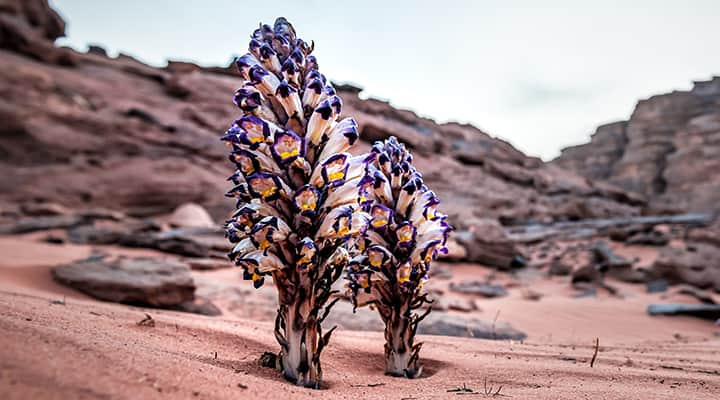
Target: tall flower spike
405	234
297	190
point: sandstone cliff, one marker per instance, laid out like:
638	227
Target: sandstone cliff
669	151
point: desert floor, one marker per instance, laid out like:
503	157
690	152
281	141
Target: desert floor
56	343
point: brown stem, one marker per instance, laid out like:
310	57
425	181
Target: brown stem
401	353
303	307
299	362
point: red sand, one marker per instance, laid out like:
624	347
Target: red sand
91	349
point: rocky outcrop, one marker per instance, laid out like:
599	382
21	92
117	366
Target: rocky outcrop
596	159
486	242
30	27
695	263
669	150
142	281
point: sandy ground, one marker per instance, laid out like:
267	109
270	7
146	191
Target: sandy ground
91	349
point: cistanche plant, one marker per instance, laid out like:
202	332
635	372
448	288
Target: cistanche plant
296	188
405	235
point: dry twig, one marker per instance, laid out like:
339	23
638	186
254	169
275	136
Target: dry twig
595	353
147	321
368	385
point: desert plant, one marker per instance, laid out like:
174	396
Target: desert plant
405	234
296	189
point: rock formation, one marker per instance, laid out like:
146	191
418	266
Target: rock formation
669	151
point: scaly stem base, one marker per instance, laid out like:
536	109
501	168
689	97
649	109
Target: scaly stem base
401	354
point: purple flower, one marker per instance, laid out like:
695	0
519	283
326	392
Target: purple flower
291	72
289	99
408	193
404	273
264	186
307	254
341	138
297	55
377	256
265	81
313	93
254	47
381	215
240	191
334	169
306	200
325	114
253	131
282	45
268	231
405	234
243	64
246	161
269	59
287	147
247	99
315	74
311	63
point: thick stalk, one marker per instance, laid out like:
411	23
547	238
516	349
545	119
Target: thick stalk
401	354
298	358
304	305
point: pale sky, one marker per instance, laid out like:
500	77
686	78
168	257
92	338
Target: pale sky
539	74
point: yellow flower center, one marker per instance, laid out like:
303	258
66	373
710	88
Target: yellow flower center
379	222
336	175
289	153
268	192
307	206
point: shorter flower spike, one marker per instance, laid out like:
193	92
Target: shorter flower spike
404	235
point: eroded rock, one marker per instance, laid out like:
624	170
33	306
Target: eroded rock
697	264
191	215
141	281
486	243
483	289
